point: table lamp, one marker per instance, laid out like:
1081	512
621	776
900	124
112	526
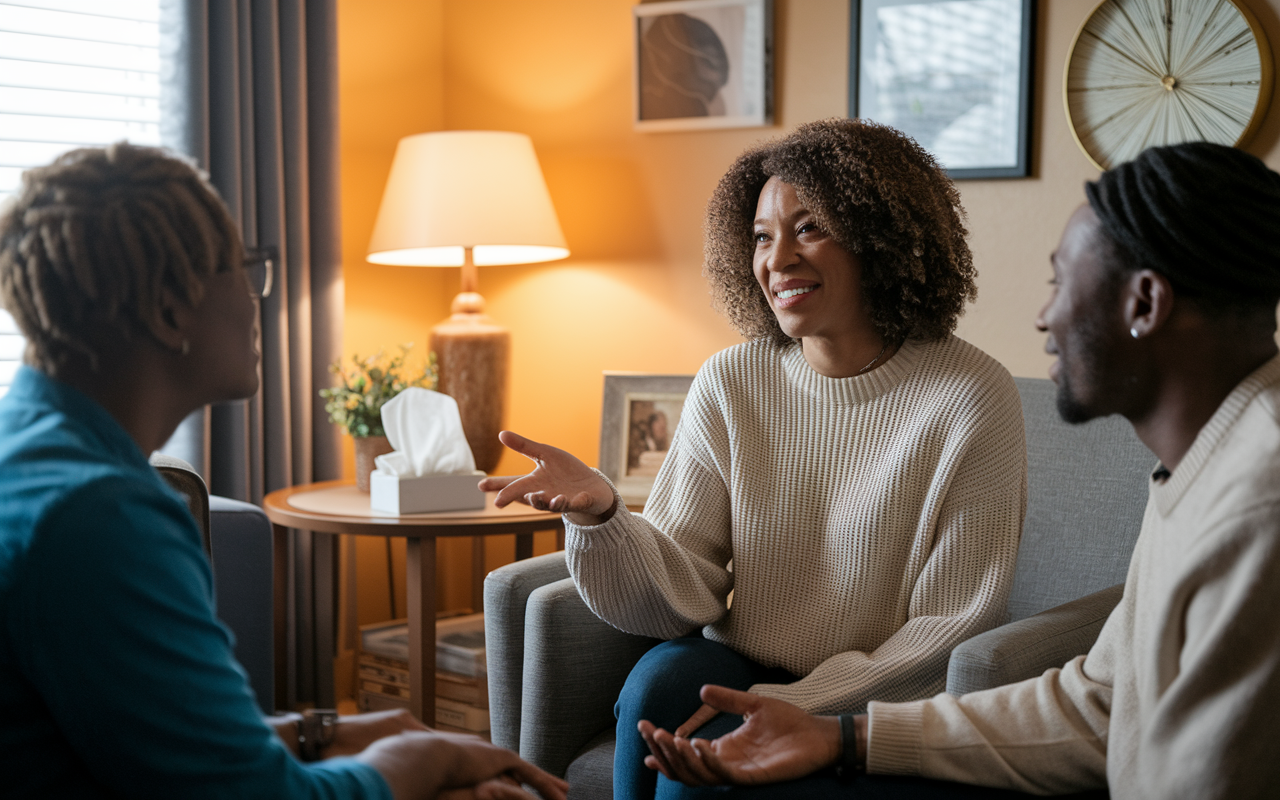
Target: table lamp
468	199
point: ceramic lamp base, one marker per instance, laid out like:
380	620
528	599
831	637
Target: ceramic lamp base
472	354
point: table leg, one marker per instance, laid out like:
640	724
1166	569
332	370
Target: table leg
477	574
524	546
421	587
280	612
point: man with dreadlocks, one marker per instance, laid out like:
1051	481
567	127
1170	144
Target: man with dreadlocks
1164	311
127	276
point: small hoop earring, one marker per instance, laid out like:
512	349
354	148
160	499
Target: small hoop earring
1132	332
186	347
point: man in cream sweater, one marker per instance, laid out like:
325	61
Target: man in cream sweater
1162	310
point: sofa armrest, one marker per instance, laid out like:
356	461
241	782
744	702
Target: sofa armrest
574	667
1028	647
506	593
241	537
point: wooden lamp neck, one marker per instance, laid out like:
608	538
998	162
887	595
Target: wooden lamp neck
468	300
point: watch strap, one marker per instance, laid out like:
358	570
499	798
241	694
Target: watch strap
315	732
847	766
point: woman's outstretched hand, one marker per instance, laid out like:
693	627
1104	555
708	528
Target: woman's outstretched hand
560	483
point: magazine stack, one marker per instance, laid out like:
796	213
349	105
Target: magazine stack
462	688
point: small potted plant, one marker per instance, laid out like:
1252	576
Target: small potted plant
356	403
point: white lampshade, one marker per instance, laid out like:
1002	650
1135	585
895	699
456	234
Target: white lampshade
457	189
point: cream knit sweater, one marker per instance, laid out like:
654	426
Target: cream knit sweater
1180	696
872	522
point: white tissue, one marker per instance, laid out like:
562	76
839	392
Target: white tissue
426	431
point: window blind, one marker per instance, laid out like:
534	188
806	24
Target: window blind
73	73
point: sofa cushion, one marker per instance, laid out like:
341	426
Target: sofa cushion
590	775
1087	489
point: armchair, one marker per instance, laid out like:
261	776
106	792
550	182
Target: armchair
555	669
237	539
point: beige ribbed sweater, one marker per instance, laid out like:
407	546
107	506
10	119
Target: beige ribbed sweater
1180	696
872	521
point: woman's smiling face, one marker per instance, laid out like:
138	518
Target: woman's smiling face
812	283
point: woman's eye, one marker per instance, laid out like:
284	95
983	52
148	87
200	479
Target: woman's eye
809	227
761	236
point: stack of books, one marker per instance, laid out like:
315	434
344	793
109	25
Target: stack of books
462	686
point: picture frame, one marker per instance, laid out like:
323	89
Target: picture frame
955	75
702	64
639	415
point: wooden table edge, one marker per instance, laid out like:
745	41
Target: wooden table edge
280	512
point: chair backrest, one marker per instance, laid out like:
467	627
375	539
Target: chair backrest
183	479
1087	492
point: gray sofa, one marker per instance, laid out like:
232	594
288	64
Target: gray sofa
237	538
555	669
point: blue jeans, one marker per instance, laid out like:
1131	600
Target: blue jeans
825	786
663	688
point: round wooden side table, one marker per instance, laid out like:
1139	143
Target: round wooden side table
337	507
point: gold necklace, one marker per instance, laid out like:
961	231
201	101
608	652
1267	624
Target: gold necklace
874	360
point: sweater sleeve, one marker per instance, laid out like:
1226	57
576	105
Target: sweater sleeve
116	632
1045	735
1212	733
665	574
964	584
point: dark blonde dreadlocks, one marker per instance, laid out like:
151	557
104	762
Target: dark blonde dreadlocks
92	240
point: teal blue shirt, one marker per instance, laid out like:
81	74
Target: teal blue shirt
116	679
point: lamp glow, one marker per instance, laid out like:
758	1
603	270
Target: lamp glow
468	199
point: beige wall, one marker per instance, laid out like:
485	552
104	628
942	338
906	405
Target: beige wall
631	296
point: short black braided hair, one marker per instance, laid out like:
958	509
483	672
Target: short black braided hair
1203	215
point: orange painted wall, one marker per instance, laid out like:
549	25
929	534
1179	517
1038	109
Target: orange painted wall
391	84
631	296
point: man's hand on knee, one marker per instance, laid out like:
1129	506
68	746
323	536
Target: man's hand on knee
776	742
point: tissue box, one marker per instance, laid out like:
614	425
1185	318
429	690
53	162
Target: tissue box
410	495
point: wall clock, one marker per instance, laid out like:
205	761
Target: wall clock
1152	72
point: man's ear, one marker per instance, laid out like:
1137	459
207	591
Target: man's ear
1147	298
170	325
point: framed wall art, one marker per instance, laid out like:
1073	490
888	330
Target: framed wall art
955	75
703	64
640	414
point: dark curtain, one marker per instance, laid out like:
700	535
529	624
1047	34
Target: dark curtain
249	90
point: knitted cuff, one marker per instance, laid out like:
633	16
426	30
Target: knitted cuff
609	532
894	738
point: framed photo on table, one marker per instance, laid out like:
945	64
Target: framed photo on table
639	416
955	75
703	64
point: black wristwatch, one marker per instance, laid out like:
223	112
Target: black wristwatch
848	765
315	732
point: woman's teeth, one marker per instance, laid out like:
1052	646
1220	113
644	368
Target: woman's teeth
783	295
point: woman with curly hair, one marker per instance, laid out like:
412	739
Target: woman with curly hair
854	474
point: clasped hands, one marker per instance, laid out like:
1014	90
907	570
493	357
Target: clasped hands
417	761
776	742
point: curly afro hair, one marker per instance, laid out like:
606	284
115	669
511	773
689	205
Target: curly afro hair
880	196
